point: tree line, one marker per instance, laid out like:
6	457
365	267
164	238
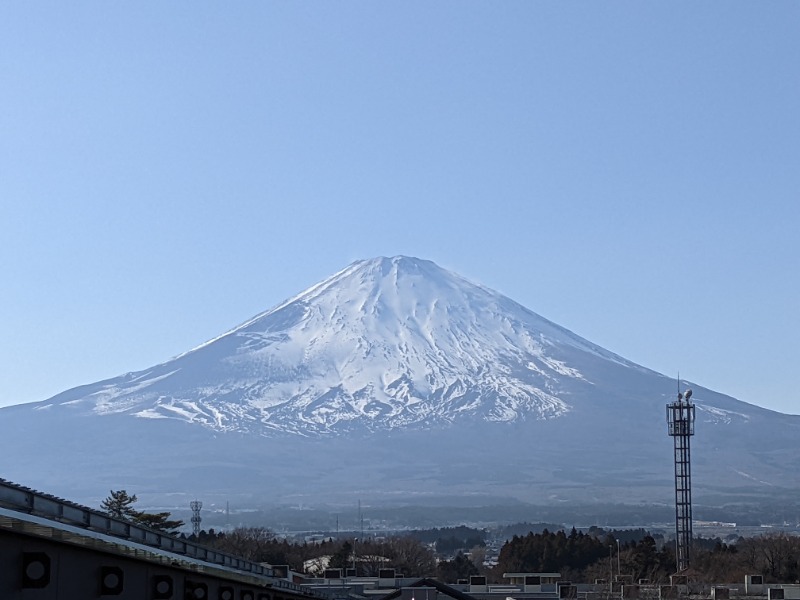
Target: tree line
598	555
449	541
405	554
577	556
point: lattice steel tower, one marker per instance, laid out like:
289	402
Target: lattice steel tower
680	419
196	505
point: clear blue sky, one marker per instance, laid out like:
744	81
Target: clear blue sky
630	170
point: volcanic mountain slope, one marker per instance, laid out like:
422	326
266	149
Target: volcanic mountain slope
400	373
385	343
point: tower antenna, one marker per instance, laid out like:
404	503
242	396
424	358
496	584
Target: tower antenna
196	505
680	423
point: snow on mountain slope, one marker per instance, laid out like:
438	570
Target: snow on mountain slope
384	343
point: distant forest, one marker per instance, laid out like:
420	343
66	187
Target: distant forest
456	553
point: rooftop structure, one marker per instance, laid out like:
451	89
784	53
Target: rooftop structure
63	550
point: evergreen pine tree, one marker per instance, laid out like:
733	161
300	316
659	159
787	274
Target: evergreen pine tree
119	505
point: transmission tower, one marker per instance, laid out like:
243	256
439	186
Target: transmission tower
196	505
680	420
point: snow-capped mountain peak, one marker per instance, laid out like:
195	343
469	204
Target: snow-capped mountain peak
383	343
401	373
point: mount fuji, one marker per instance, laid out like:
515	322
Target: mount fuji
394	377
